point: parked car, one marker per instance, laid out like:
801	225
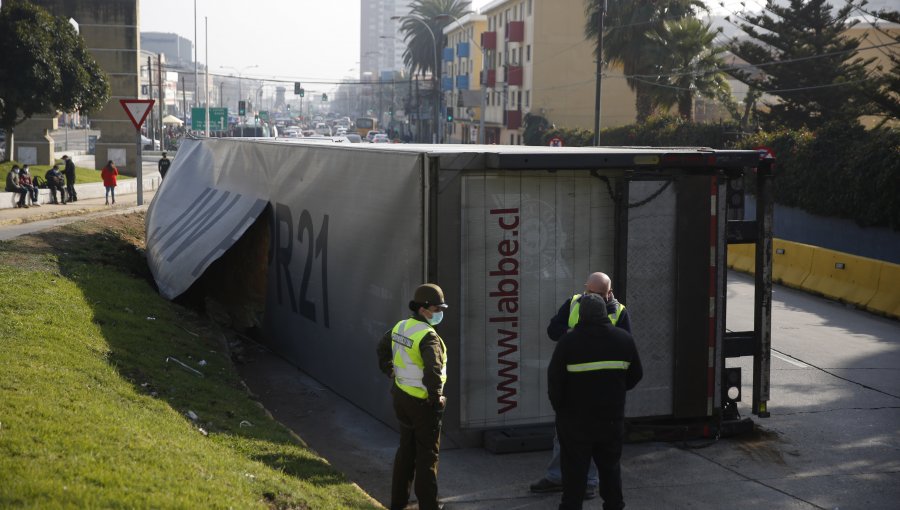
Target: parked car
148	145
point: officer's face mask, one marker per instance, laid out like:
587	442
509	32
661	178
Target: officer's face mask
436	318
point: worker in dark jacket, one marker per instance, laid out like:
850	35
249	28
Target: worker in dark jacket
591	369
69	171
414	356
563	322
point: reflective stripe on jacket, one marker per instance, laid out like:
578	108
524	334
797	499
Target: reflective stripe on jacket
408	365
575	306
598	365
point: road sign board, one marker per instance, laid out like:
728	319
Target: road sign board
556	142
137	110
218	119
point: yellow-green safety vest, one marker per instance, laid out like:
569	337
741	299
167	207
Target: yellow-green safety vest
409	369
575	306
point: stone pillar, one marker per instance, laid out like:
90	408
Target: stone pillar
111	31
33	143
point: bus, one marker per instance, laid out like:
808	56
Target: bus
366	124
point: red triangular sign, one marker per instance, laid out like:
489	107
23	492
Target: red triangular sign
137	110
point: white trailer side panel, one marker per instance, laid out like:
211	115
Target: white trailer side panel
529	240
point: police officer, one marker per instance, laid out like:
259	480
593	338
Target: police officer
591	369
415	357
564	320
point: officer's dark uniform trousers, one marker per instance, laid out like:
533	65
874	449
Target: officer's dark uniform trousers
599	439
420	434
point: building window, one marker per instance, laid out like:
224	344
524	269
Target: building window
528	53
529	7
512	139
527	98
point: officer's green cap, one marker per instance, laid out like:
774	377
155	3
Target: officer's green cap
429	294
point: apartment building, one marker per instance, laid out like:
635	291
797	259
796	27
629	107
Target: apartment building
537	60
380	41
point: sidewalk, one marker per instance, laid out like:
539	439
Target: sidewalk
91	199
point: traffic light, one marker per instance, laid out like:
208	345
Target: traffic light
302	92
242	108
449	114
297	89
324	98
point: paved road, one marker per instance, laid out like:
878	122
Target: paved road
832	442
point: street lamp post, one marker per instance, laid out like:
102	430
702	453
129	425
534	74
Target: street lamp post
240	74
435	126
483	75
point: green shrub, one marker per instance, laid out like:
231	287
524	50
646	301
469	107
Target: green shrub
842	170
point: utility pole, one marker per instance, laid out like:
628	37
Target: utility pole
151	127
600	18
162	137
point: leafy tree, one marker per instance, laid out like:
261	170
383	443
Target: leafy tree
800	56
888	94
626	40
688	65
45	67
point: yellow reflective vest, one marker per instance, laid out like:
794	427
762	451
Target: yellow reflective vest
575	306
409	369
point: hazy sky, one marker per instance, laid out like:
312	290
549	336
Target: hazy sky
301	40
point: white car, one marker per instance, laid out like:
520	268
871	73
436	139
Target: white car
381	138
147	144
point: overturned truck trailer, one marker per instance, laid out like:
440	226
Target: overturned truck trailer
349	230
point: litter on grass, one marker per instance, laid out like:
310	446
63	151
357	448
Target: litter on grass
170	358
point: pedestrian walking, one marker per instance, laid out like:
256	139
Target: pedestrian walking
13	186
56	182
414	356
563	322
163	165
591	369
69	171
109	174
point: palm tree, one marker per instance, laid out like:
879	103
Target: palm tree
419	53
687	65
626	40
424	37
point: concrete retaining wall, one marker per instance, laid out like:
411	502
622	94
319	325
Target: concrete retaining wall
868	283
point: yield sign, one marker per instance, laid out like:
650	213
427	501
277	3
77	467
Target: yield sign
137	110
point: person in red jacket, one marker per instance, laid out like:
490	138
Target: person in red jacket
109	174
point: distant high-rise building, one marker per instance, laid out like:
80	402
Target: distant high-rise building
380	41
178	51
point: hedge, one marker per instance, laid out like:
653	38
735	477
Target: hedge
841	170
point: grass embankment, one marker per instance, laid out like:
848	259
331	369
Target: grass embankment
92	415
82	175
